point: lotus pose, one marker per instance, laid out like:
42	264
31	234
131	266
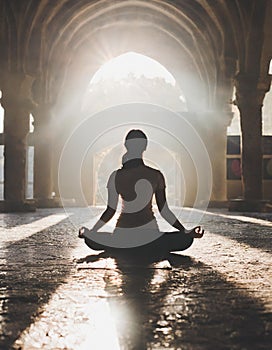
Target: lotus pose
136	184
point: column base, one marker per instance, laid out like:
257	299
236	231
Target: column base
218	204
48	203
242	205
17	206
74	203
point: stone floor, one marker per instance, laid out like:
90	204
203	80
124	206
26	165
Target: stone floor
55	293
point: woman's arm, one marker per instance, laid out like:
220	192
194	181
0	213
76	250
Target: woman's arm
168	215
165	212
111	206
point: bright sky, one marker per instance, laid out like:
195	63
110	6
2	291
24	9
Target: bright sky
1	119
132	63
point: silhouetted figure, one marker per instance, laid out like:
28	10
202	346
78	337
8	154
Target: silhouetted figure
136	226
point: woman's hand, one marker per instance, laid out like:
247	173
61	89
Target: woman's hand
196	232
81	232
83	229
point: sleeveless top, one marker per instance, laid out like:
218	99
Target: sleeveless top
136	183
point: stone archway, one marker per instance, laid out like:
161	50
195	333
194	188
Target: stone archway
57	47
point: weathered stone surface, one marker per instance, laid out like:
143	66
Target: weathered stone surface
55	293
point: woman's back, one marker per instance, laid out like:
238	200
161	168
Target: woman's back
136	185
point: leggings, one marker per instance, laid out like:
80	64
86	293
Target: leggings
167	242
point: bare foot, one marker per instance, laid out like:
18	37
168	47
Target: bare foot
196	232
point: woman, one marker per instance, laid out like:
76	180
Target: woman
136	226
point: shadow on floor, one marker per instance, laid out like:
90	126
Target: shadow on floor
252	234
31	270
190	306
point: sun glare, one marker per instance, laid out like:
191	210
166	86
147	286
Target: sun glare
132	63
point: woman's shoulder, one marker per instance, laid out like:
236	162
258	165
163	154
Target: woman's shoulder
154	170
157	178
113	173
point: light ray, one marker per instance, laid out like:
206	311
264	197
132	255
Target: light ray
20	232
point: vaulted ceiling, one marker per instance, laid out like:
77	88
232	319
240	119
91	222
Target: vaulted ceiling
57	42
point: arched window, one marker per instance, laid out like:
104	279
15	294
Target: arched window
234	128
133	77
267	112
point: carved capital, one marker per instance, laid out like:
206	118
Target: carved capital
42	114
16	90
248	94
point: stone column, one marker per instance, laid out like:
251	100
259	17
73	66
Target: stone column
218	159
87	179
218	121
216	143
43	153
16	128
249	102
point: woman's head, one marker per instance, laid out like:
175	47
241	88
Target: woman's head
136	141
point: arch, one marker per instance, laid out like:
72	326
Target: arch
184	27
148	81
131	62
199	28
203	32
186	21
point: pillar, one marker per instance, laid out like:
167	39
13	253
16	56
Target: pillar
249	100
218	158
215	139
43	153
218	122
16	128
87	178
